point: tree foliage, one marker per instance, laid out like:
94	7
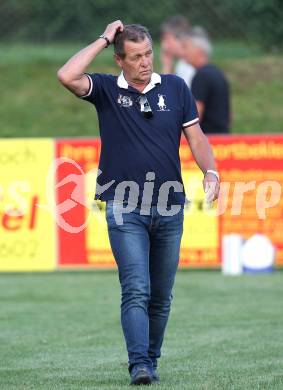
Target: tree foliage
73	20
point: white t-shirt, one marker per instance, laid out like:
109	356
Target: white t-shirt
185	71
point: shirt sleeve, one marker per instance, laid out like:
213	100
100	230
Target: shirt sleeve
95	88
200	87
190	112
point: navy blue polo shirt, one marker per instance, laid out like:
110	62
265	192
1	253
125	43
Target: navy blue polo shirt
133	145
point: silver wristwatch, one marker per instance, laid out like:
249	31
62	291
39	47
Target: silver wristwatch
106	39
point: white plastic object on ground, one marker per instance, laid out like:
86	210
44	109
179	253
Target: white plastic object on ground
258	254
232	254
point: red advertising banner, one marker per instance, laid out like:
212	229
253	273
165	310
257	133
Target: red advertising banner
251	169
75	159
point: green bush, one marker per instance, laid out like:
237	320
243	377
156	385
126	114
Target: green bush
72	20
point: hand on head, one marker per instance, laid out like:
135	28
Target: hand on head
112	29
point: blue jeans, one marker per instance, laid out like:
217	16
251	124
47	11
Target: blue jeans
146	249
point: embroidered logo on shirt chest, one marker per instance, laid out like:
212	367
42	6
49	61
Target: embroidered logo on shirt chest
162	103
124	101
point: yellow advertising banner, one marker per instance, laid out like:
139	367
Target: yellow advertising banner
42	231
200	241
27	230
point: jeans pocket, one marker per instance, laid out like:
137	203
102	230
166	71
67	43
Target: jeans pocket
109	209
112	211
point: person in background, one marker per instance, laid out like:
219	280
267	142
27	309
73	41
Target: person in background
171	48
209	85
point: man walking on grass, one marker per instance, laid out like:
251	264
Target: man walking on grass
141	117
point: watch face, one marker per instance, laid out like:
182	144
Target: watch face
106	39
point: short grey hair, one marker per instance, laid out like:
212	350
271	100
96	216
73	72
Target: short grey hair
200	38
131	32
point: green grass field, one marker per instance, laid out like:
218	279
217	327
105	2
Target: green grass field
33	104
62	331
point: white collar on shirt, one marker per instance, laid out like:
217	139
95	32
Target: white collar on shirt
155	79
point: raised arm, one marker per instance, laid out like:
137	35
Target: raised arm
71	75
204	158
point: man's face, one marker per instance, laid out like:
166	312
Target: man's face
190	51
171	45
137	65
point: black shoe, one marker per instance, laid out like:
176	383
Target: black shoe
155	376
141	376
